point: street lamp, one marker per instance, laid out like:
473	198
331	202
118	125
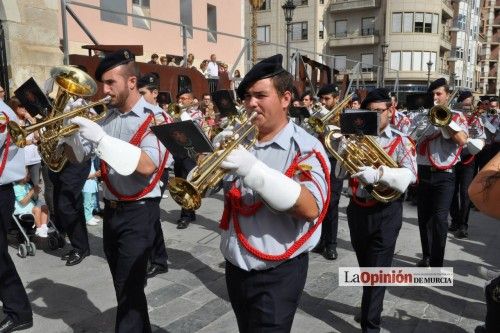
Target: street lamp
288	8
384	52
429	66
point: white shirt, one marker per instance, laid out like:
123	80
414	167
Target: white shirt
213	70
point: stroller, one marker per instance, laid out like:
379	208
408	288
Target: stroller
25	223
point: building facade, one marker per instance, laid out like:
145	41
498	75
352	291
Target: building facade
489	81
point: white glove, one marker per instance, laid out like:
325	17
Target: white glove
219	138
396	178
475	145
367	175
445	133
89	129
277	190
120	155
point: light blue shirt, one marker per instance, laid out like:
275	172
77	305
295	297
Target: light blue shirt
124	126
269	231
15	166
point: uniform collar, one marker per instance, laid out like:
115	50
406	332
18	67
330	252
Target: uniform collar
137	109
387	132
282	139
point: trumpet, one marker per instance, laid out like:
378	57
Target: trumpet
175	110
318	122
208	173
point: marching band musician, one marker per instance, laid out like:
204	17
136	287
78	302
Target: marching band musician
355	102
399	120
464	169
491	124
16	305
329	96
131	157
438	150
276	197
374	226
148	86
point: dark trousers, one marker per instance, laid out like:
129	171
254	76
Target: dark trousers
212	84
435	192
492	293
330	224
182	166
266	301
68	203
12	294
159	254
128	233
460	204
374	232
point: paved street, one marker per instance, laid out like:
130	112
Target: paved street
192	296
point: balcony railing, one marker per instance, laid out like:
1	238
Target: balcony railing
346	5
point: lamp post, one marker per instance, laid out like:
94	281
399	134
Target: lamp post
429	66
288	8
384	52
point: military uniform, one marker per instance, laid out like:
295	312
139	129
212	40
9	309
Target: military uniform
16	305
374	226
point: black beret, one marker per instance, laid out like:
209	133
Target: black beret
463	96
328	89
488	98
355	98
375	96
268	67
436	84
113	60
149	80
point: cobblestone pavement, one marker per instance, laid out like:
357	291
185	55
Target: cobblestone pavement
192	296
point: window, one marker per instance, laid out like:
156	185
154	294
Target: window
141	7
341	28
406	61
417	61
300	2
408	22
367	26
299	31
114	5
435	23
340	63
321	30
187	16
263	34
266	5
433	60
428	23
367	62
212	23
184	83
396	22
321	2
419	22
395	60
426	56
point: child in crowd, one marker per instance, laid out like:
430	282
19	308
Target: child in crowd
28	201
90	196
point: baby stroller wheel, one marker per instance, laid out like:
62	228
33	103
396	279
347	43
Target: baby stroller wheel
31	249
22	251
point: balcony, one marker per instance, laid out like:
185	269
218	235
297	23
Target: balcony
354	38
445	41
447	9
457	25
338	6
456	54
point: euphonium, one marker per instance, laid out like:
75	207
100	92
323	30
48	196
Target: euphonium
318	122
363	150
208	174
72	83
175	110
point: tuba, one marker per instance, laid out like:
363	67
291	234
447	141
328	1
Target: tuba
318	122
208	173
363	150
72	83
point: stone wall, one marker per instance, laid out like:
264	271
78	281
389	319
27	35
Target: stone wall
32	39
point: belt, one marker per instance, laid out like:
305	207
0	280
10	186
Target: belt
114	204
433	169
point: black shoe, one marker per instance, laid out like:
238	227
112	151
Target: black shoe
462	233
480	329
9	325
75	258
154	270
330	254
68	254
424	263
319	248
453	227
183	223
357	317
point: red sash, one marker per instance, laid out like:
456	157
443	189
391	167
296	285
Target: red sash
136	140
234	206
6	149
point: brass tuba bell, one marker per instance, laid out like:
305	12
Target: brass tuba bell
318	122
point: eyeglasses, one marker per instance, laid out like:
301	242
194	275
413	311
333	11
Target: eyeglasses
379	110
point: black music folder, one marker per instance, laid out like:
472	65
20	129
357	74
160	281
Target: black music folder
359	122
183	139
300	112
33	99
417	101
223	100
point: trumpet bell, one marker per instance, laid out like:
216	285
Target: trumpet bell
440	116
74	81
184	193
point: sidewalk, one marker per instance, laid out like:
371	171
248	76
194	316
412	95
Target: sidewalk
192	296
